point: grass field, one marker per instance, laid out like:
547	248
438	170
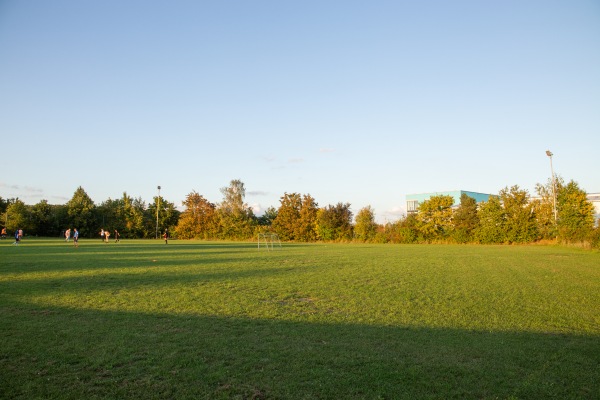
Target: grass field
210	320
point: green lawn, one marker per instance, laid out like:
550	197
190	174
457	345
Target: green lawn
206	320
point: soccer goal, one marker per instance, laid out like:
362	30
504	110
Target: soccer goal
268	241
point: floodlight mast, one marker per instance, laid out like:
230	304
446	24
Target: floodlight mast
549	154
157	207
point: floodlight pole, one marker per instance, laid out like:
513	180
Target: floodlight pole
549	154
157	207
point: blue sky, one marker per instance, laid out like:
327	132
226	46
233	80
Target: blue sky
348	101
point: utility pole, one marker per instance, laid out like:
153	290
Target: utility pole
157	207
549	154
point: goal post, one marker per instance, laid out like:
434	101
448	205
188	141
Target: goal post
269	241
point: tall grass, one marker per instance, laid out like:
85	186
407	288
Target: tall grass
141	319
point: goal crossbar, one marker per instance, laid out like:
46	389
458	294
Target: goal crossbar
268	241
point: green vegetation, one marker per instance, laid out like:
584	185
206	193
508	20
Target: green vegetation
145	320
512	217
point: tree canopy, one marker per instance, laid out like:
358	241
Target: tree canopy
510	217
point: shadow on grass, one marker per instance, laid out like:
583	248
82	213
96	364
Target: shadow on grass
69	353
53	352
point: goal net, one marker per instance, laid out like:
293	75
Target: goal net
268	241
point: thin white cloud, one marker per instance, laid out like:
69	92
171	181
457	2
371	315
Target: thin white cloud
325	150
27	189
61	198
296	160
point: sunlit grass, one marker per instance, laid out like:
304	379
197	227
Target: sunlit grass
533	289
393	318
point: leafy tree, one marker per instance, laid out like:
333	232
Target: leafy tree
108	215
81	211
236	217
335	222
465	219
575	213
288	216
199	220
435	217
296	217
168	216
19	217
132	214
544	209
60	216
3	204
268	217
42	218
405	230
519	217
491	222
365	227
306	227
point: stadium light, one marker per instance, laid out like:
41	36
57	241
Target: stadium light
157	207
549	154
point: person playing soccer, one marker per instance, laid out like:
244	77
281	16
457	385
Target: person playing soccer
76	237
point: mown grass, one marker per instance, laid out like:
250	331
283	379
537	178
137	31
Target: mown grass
144	320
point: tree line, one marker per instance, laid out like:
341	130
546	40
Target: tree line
132	217
512	216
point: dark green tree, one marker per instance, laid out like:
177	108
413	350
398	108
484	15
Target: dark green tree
130	217
405	230
266	220
3	204
19	217
42	219
335	222
81	211
465	220
520	225
491	222
131	211
575	213
168	215
108	214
